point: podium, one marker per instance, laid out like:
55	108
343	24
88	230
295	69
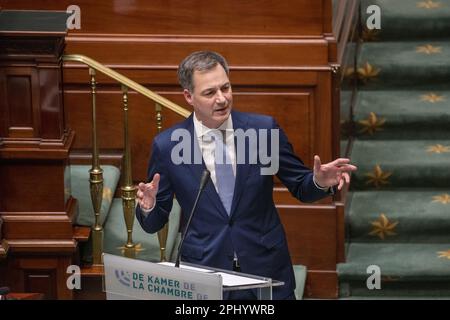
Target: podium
126	279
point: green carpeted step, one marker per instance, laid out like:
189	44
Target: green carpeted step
115	234
402	150
411	65
405	269
420	216
388	164
398	261
394	114
394	290
408	19
80	190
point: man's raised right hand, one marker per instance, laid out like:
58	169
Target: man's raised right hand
146	194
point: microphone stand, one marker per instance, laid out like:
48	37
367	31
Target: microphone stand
203	181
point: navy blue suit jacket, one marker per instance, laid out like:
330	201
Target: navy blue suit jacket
253	230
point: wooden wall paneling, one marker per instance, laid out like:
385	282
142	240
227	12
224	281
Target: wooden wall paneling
336	135
51	98
323	118
43	281
321	284
168	52
279	66
177	17
42	274
311	233
36	205
340	229
41	182
40	225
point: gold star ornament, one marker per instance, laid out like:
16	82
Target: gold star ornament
367	72
370	34
371	124
137	248
438	148
428	49
432	98
444	254
378	178
383	227
442	198
429	4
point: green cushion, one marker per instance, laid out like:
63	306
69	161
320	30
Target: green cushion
79	175
115	234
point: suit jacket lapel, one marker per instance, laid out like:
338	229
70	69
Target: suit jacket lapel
197	170
242	170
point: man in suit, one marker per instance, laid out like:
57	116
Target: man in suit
236	225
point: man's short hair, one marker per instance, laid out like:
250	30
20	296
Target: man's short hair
198	61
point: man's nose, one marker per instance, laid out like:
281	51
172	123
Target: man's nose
220	98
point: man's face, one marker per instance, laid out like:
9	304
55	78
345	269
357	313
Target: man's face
212	98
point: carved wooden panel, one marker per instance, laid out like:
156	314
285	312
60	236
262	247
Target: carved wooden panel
43	281
41	183
20	104
313	241
37	273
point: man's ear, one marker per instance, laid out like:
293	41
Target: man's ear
188	97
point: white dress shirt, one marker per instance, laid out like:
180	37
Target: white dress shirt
207	145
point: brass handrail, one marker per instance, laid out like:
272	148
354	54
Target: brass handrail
96	173
128	83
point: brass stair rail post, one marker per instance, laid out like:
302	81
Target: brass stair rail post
96	181
128	189
163	233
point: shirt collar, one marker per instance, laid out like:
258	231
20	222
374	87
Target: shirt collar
201	129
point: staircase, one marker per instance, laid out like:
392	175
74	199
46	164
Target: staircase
398	210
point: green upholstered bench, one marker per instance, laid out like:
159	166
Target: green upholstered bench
79	180
148	248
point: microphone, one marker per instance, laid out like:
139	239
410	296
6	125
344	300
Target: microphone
203	181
